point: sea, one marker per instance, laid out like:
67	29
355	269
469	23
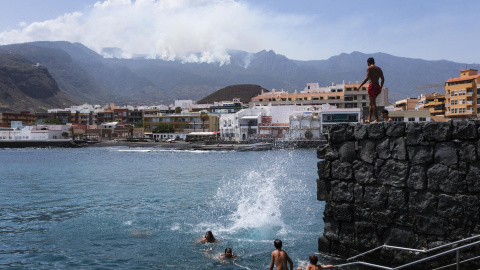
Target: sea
147	208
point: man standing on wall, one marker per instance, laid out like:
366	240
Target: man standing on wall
374	73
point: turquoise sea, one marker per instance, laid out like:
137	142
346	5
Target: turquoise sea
141	208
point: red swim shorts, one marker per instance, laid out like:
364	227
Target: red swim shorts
374	90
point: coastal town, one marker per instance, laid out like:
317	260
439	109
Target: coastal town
273	115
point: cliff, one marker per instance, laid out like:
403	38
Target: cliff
24	85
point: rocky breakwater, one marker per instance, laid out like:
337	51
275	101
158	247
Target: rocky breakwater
413	185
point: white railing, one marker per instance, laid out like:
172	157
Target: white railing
454	247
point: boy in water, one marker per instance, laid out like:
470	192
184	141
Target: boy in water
228	254
313	263
374	73
280	257
209	238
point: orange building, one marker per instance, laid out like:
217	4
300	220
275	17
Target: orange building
461	95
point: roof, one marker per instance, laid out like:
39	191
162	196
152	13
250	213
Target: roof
465	78
250	117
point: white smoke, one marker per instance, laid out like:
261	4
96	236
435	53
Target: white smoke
183	30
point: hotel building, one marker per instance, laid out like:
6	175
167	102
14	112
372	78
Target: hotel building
461	95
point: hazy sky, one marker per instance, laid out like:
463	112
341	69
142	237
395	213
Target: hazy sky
202	30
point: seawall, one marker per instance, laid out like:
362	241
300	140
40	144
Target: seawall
404	184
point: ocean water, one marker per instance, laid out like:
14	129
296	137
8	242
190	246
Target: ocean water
140	208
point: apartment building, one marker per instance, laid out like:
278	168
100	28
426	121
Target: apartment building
341	95
434	103
25	117
181	122
407	104
461	95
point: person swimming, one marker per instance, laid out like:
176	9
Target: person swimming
209	238
228	254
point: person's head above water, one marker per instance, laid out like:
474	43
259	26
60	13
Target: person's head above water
209	236
371	61
313	259
277	243
228	253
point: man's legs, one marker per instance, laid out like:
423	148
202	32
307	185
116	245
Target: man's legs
373	108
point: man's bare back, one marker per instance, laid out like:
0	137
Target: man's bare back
280	259
374	74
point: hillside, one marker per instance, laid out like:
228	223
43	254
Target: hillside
88	77
24	85
243	91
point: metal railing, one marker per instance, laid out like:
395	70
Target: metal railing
454	248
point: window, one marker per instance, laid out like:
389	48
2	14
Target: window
422	119
411	119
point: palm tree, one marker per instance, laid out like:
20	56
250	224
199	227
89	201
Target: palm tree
203	117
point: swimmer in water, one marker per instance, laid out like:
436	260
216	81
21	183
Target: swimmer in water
209	238
313	263
280	257
228	254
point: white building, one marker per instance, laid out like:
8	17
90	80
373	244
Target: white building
17	132
331	117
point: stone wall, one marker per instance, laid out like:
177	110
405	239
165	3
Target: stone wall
413	185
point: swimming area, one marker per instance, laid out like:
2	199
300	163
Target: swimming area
140	208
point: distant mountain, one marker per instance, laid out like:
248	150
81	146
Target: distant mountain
24	85
88	77
245	92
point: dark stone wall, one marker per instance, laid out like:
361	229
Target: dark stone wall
413	185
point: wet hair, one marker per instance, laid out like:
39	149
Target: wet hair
385	111
277	243
227	250
211	234
313	259
371	60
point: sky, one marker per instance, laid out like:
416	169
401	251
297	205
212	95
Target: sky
204	30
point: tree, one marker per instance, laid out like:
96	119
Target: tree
54	121
139	124
308	134
164	128
178	109
203	117
65	135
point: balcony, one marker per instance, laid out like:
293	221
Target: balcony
469	93
447	95
470	102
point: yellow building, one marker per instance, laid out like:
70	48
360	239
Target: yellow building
181	122
461	95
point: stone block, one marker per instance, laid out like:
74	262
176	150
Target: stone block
375	197
467	151
331	228
323	169
394	173
464	130
323	245
346	235
366	236
358	194
396	129
323	190
422	202
417	178
366	150
347	151
376	131
342	212
413	133
363	214
340	132
322	151
436	175
383	148
471	208
364	172
402	236
446	153
398	148
473	178
397	199
437	131
382	217
420	154
360	132
431	225
455	182
449	206
342	191
341	170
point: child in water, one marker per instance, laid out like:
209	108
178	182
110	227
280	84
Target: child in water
209	238
313	263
